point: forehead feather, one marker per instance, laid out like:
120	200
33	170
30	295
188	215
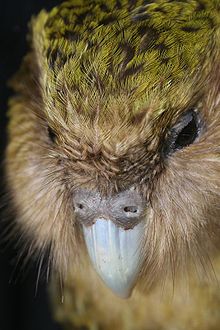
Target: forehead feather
124	55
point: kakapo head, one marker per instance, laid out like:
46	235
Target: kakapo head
114	137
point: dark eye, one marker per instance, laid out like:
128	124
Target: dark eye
183	133
51	134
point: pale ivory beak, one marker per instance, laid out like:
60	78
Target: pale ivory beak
115	254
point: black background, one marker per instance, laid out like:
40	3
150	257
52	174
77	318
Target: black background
20	307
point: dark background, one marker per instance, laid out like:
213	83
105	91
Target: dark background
20	307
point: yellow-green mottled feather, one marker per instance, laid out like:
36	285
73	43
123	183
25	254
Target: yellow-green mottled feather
93	50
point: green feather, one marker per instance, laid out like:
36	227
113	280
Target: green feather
141	50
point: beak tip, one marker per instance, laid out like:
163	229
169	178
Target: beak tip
120	287
123	293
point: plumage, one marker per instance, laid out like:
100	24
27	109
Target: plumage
113	98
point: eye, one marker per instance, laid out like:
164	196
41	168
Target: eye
51	134
183	133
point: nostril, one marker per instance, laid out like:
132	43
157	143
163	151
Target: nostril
130	209
80	206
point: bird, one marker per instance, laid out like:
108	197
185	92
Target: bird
113	161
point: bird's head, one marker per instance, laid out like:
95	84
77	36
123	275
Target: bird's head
114	139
